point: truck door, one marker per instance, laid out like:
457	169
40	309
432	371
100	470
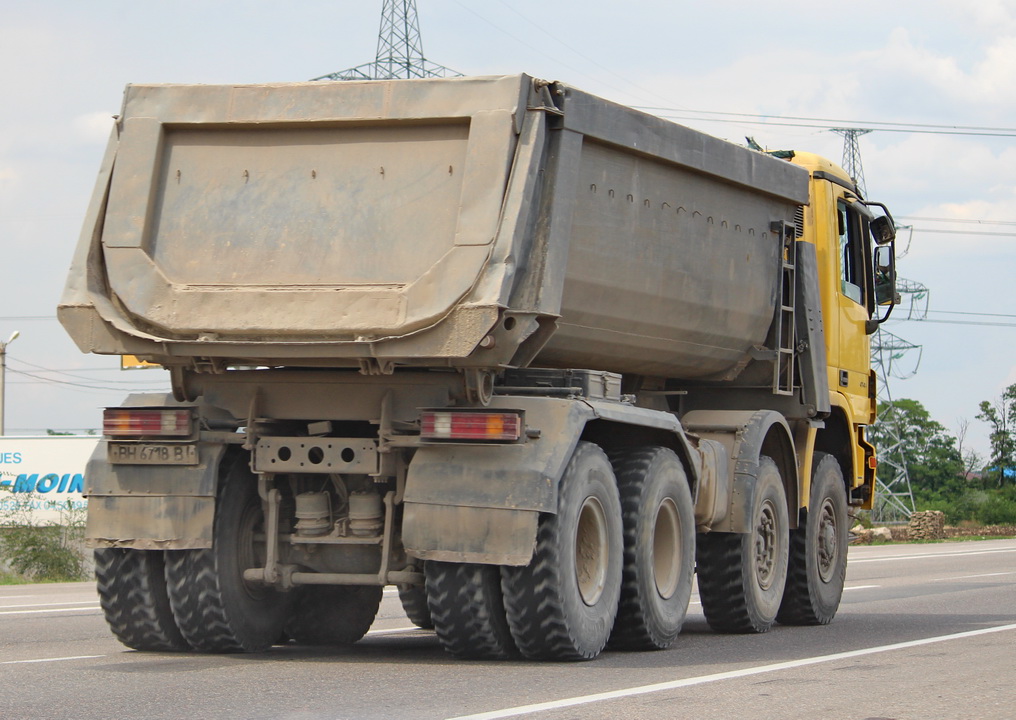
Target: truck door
855	303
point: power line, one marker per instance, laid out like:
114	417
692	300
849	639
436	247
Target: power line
969	221
969	323
980	314
522	41
72	376
935	231
399	49
797	121
84	387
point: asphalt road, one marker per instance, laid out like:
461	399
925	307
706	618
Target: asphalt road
924	631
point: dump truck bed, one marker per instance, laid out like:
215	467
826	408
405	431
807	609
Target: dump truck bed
468	222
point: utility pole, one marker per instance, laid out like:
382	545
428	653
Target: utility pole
399	49
894	499
3	374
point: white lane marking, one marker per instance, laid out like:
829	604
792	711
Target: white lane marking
857	561
731	675
392	631
52	610
84	602
967	577
861	587
48	660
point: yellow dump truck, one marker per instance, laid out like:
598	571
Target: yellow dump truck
533	357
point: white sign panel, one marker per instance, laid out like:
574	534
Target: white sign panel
49	470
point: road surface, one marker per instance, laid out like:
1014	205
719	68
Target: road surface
924	631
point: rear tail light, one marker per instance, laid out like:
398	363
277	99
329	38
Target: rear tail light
465	425
146	422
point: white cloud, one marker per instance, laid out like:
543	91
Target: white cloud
92	127
926	61
922	75
991	16
993	78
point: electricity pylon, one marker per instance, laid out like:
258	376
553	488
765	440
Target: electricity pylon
894	499
399	49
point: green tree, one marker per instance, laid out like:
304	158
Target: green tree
933	461
1001	415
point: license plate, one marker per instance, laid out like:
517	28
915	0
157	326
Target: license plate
152	454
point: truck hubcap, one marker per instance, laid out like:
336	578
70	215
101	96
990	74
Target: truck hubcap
766	545
666	549
826	541
591	554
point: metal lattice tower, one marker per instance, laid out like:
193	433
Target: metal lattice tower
399	49
894	499
852	155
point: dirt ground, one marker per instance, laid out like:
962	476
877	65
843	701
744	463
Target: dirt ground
901	533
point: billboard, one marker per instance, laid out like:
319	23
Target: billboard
48	471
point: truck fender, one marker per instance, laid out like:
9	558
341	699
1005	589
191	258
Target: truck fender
745	436
481	503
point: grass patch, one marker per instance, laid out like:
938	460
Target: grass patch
31	552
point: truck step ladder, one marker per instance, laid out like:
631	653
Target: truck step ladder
784	324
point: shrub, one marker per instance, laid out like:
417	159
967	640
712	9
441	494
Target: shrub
997	510
41	552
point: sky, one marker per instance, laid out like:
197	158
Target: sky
925	73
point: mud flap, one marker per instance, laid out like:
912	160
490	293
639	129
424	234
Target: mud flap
167	507
480	503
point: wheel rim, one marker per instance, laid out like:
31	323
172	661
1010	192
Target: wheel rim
251	553
666	549
828	551
766	545
591	552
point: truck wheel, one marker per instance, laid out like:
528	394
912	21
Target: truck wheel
741	576
467	608
333	614
215	608
818	550
414	604
132	592
659	548
562	605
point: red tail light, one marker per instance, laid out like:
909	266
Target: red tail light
146	422
468	425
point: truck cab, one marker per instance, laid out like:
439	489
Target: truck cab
856	272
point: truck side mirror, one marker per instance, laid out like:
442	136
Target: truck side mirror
885	276
883	230
885	285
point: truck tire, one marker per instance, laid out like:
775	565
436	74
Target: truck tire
818	550
659	548
741	576
562	605
132	593
215	608
467	608
414	604
332	614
